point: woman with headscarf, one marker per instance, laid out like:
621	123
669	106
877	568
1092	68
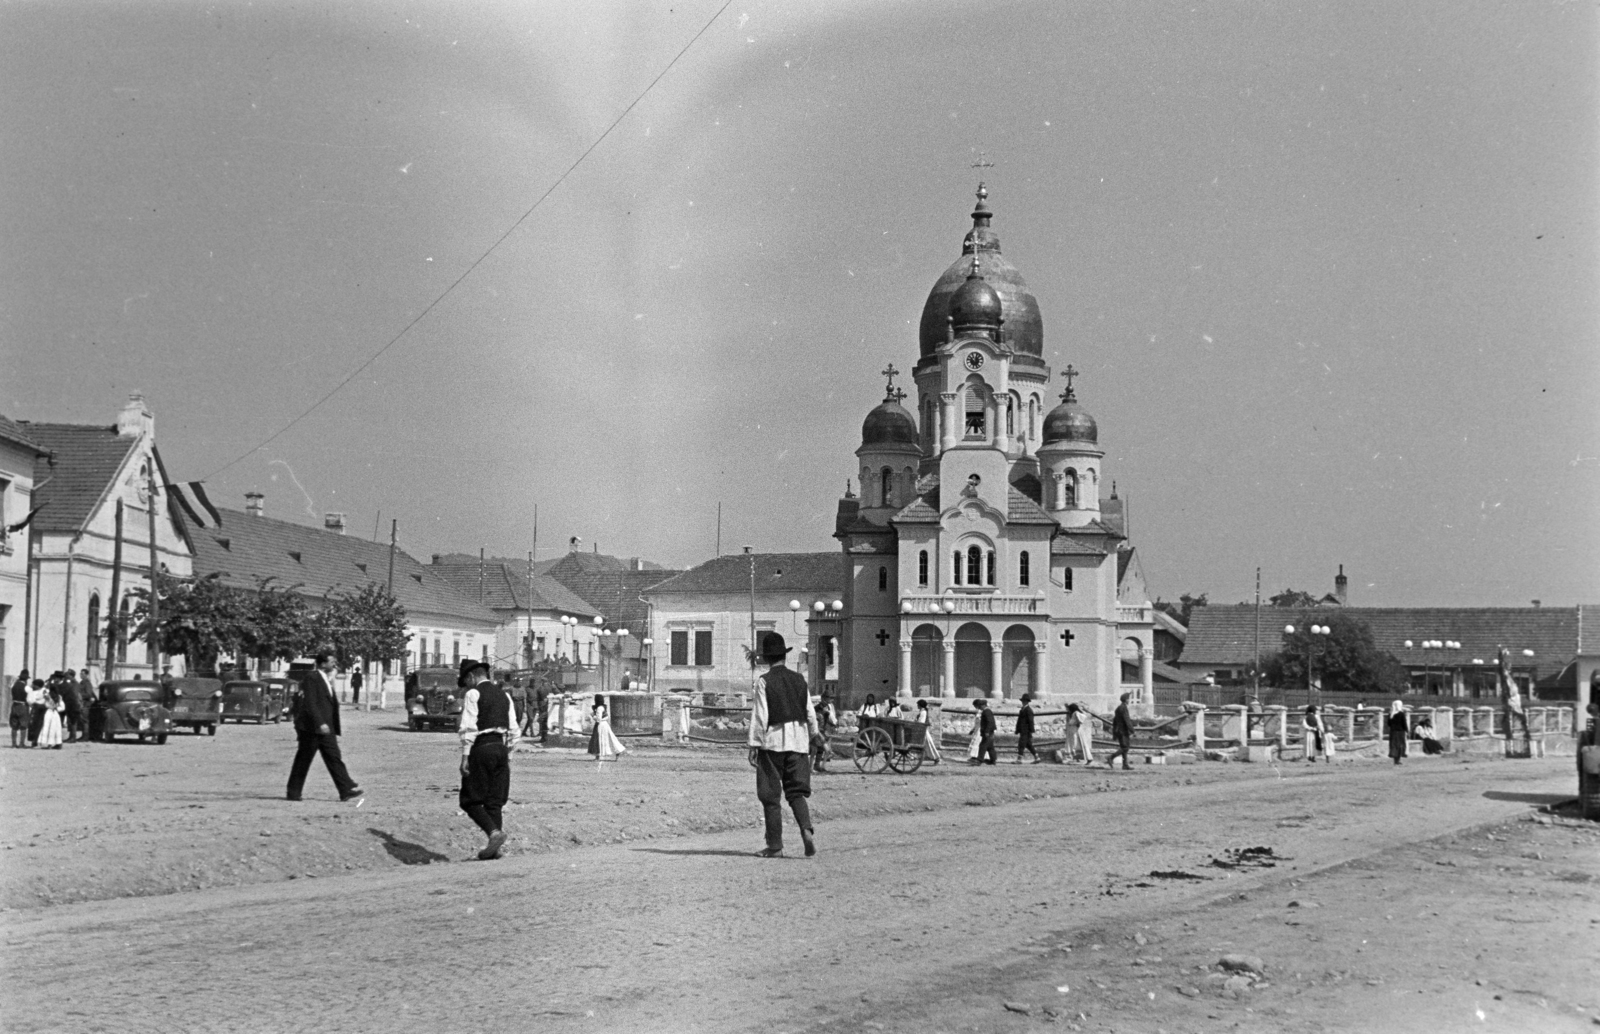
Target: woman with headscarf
1318	739
1399	728
930	748
1080	733
50	728
869	707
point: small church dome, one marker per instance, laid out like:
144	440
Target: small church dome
889	423
975	303
1070	422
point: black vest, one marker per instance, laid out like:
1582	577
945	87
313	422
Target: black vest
494	707
786	697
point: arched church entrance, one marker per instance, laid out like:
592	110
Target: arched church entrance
974	661
927	660
1016	660
1128	651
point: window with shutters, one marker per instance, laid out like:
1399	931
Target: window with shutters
680	648
702	648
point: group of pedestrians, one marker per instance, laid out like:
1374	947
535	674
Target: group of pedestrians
46	713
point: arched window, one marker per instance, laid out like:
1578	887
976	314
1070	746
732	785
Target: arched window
922	567
975	427
886	478
1011	416
122	630
883	579
1071	487
956	571
990	579
93	652
1022	568
974	566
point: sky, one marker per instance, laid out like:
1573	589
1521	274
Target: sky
1329	271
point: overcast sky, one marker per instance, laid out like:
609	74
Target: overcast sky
1328	269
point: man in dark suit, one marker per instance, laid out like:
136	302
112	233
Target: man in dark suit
986	731
316	728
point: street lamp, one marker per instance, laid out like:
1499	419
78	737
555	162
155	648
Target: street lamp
794	617
649	662
1311	652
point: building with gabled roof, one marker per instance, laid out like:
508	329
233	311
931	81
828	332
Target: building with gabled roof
103	514
249	548
982	558
530	610
701	620
18	451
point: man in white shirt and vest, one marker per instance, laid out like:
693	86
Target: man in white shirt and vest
489	731
782	722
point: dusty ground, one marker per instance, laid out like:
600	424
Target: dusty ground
1419	898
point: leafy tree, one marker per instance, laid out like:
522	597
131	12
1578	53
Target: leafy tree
1293	598
1183	608
279	625
200	617
368	623
1343	659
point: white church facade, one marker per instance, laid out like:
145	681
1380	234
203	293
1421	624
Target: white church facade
980	556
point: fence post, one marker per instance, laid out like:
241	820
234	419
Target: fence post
1281	715
1234	726
1350	727
1200	730
1444	727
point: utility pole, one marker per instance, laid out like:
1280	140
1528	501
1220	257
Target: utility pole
753	645
528	654
719	529
394	531
1257	692
114	609
155	570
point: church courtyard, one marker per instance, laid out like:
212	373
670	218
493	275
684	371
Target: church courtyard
171	888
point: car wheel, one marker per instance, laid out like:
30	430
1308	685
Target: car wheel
143	738
161	738
211	730
261	720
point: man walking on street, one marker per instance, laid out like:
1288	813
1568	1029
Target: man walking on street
488	733
986	731
356	680
86	697
782	723
1122	732
1025	729
317	730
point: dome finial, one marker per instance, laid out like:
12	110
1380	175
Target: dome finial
1069	373
982	163
891	373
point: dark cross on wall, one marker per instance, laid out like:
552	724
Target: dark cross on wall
882	637
1067	637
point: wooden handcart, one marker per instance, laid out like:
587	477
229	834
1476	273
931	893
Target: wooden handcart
889	743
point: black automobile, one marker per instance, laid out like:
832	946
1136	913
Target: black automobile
256	700
129	707
433	700
196	703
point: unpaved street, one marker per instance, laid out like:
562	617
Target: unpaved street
1421	897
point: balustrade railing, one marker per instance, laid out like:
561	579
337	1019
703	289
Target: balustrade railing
973	603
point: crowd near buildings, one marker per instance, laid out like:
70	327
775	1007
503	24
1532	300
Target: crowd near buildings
983	551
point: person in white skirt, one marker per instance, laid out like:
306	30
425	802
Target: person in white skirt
603	743
50	731
930	750
1080	733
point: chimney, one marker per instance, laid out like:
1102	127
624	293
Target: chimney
135	418
1341	588
255	504
572	544
334	522
436	558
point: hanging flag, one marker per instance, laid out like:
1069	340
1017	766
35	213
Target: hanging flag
198	488
183	505
12	529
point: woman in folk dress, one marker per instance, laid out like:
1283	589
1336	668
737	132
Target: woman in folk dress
1318	739
1399	728
977	734
930	749
1080	733
603	743
50	731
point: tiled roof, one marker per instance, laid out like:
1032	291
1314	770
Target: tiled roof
1226	634
610	586
775	572
245	548
1161	671
505	587
1166	622
924	509
1072	545
11	431
1022	510
72	481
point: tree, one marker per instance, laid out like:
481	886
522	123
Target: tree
279	626
200	617
1343	659
1293	598
368	623
1183	608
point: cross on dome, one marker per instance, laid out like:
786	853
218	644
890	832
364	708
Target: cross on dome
1069	373
891	373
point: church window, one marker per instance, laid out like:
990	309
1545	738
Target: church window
93	653
975	427
1022	568
455	653
680	648
922	567
956	572
974	566
1066	578
1011	418
990	579
887	479
702	647
1071	488
883	579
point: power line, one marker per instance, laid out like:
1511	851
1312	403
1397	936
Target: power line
476	262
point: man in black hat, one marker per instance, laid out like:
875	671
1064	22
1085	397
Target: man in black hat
488	732
782	722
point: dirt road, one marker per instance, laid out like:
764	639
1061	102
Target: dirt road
937	901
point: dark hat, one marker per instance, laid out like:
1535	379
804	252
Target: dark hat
773	648
468	666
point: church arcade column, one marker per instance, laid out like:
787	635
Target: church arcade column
997	668
905	667
1147	673
949	427
1002	411
947	674
1041	668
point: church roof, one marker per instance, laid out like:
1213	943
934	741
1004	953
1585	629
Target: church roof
1072	545
1022	510
1023	329
1226	634
245	549
775	572
72	480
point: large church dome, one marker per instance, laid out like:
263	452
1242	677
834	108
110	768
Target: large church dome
1023	329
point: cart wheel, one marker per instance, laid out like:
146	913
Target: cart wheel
873	751
416	724
906	761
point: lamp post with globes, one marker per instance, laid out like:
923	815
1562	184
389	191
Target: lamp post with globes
649	662
1311	653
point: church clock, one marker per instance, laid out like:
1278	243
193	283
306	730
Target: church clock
973	361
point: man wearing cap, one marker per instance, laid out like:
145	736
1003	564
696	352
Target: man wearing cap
488	732
782	722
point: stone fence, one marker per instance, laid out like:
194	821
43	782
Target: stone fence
1259	734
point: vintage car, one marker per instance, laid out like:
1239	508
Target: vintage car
256	700
433	700
196	703
129	708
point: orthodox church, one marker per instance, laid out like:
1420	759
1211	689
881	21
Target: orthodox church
980	558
